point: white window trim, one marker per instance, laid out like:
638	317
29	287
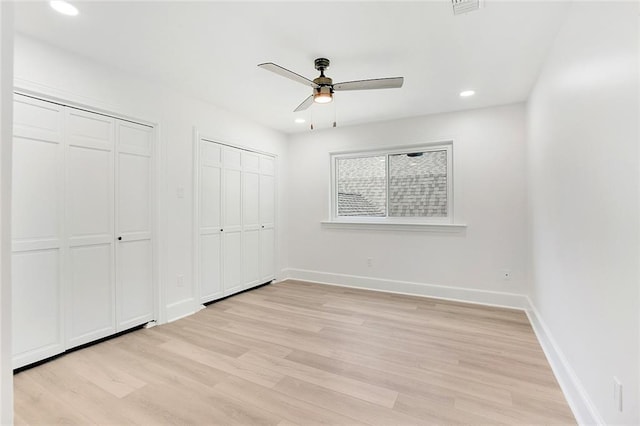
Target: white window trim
394	223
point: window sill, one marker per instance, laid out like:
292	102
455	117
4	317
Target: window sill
395	226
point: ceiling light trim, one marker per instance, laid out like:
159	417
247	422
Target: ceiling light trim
64	7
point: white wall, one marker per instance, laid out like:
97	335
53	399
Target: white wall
50	70
489	196
6	126
583	176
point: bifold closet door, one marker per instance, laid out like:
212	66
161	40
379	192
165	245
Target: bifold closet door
250	218
236	219
232	220
267	218
90	301
210	226
37	230
134	206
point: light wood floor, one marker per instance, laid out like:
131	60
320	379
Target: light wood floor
300	353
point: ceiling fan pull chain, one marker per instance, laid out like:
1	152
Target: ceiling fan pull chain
334	113
311	119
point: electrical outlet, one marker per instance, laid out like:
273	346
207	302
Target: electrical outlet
506	274
617	393
180	280
180	192
369	262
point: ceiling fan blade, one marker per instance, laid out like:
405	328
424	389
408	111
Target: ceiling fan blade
286	73
305	104
374	83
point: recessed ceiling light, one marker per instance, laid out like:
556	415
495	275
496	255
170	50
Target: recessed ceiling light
467	93
64	7
300	120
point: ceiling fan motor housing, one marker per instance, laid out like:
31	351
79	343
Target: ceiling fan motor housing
322	64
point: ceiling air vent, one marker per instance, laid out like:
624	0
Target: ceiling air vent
464	6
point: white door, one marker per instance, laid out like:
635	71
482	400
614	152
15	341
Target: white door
267	219
89	225
37	230
210	226
134	206
250	219
232	221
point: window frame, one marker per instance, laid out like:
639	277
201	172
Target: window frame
392	220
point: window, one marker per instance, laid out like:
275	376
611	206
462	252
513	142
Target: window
413	184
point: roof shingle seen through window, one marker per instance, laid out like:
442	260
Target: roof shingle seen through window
417	185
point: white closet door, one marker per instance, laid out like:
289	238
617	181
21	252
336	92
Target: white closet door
250	218
134	206
90	307
210	227
267	218
232	221
37	230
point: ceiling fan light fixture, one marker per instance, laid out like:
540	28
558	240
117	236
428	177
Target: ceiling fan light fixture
323	95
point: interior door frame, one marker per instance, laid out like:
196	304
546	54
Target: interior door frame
197	137
158	160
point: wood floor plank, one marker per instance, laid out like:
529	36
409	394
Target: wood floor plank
367	392
297	353
291	408
367	412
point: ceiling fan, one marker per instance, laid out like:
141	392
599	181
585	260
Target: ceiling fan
323	86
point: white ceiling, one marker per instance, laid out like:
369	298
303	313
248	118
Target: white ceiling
211	49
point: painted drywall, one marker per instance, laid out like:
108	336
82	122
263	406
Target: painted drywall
583	183
6	126
47	69
489	197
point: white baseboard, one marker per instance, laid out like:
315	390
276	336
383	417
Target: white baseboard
583	409
180	309
577	398
469	295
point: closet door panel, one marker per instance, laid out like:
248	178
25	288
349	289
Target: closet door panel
90	301
210	193
267	200
134	248
134	190
36	300
250	200
36	119
211	221
135	283
232	221
267	165
90	194
251	258
267	219
210	267
232	204
232	267
36	196
135	138
251	218
89	130
91	306
250	161
267	254
37	229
